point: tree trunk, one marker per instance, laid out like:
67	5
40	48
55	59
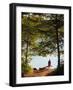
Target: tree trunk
57	37
26	60
27	43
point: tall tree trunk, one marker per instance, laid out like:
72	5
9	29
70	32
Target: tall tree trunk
27	43
57	37
26	60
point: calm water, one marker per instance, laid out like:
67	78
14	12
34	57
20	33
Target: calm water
39	61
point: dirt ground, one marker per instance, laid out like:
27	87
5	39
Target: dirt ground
37	73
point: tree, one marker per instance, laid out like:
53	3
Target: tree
42	34
56	24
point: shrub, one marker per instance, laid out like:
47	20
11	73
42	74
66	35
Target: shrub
26	68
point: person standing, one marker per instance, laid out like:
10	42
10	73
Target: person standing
49	63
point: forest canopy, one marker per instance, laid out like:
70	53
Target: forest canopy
42	34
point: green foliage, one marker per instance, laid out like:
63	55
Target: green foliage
26	68
39	35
